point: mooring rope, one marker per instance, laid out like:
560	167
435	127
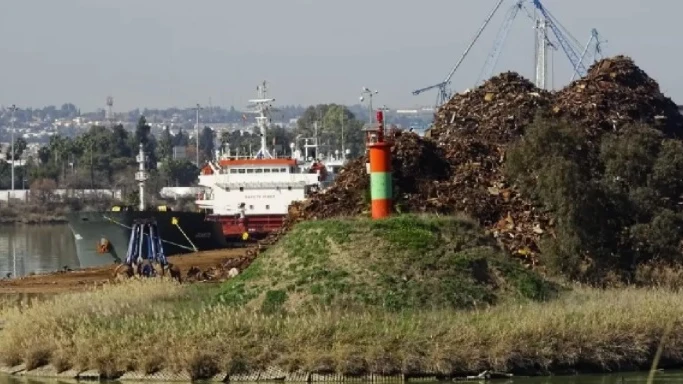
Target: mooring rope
165	241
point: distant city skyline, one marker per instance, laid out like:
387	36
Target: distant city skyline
172	53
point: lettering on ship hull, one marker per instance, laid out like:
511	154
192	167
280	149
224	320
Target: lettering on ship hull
259	196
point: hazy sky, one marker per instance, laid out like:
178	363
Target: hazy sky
162	53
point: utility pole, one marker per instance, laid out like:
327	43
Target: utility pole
197	108
12	108
342	131
369	93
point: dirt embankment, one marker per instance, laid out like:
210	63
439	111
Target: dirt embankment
212	263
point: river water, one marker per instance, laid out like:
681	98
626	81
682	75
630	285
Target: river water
26	249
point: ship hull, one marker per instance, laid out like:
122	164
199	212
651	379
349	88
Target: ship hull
90	228
254	226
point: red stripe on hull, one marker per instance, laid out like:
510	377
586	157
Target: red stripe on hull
254	225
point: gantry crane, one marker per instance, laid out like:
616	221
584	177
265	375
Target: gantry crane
566	41
544	21
444	94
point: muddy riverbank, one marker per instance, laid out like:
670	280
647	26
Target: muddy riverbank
83	279
48	376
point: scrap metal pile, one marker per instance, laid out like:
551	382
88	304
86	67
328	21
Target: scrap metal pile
228	268
457	167
615	93
418	167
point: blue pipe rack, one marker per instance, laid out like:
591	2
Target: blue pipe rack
145	248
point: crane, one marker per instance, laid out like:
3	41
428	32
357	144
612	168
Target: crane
542	23
563	38
444	94
492	59
597	49
545	24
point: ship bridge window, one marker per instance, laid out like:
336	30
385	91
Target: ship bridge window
250	170
233	170
283	170
241	170
266	170
275	170
259	170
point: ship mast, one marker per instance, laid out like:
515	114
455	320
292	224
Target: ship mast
262	105
141	176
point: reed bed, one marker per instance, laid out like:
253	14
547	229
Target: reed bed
153	325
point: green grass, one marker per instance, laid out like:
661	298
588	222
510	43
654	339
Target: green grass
405	262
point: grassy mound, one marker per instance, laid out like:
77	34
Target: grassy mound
405	262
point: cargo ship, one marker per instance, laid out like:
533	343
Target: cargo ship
249	196
102	237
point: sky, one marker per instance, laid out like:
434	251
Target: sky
176	53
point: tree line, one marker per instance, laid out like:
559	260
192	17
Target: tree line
104	158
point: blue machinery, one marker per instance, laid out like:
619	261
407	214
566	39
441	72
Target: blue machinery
544	21
145	249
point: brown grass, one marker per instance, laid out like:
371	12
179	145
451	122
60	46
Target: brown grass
660	276
153	325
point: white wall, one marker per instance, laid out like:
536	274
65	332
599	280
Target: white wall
24	194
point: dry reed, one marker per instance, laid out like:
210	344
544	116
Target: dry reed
153	325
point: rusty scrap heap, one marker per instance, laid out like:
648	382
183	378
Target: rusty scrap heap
457	167
418	166
615	93
474	129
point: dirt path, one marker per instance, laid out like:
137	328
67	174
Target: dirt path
60	282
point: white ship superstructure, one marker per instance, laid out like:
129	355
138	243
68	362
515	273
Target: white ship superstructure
251	195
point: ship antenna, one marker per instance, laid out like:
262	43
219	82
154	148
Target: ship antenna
262	104
141	176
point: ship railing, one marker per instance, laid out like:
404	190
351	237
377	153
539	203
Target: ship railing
240	181
282	177
251	157
262	184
